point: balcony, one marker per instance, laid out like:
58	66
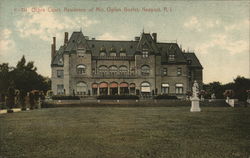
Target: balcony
116	76
113	58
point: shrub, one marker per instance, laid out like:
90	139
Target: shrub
165	96
117	97
62	97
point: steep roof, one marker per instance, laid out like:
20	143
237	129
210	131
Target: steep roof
194	60
77	40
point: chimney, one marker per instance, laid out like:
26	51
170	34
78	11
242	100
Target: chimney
66	38
154	37
53	48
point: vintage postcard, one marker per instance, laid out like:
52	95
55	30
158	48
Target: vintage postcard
118	79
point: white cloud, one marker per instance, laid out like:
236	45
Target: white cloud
193	23
109	36
243	24
6	43
44	25
224	42
196	24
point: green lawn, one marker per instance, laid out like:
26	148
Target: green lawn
131	132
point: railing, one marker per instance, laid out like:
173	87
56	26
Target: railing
114	76
113	57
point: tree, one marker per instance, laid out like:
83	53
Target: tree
241	85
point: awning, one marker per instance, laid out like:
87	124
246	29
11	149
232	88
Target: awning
113	85
123	84
165	85
94	85
179	85
103	85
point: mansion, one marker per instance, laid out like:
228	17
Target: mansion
143	66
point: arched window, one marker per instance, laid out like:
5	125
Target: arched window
103	69
123	69
145	70
103	54
145	87
81	88
113	69
81	69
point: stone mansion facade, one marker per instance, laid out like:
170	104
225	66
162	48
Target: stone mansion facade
144	66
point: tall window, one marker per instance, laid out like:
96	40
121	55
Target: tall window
179	88
164	71
59	73
179	71
164	88
145	70
60	89
171	57
81	69
145	53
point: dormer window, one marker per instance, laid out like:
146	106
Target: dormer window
123	52
103	54
171	57
112	54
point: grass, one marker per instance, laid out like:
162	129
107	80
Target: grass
129	132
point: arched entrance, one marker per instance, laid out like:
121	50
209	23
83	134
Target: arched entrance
113	88
103	87
124	88
81	88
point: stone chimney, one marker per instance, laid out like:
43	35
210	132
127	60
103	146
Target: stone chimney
154	35
66	38
53	49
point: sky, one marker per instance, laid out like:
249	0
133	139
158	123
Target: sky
217	31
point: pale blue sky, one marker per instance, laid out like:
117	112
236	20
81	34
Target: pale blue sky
218	31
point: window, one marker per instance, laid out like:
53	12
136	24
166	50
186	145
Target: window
164	88
113	70
102	54
145	87
171	57
103	69
123	54
144	53
81	69
123	70
179	88
60	89
179	71
112	54
164	71
145	70
81	88
59	73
